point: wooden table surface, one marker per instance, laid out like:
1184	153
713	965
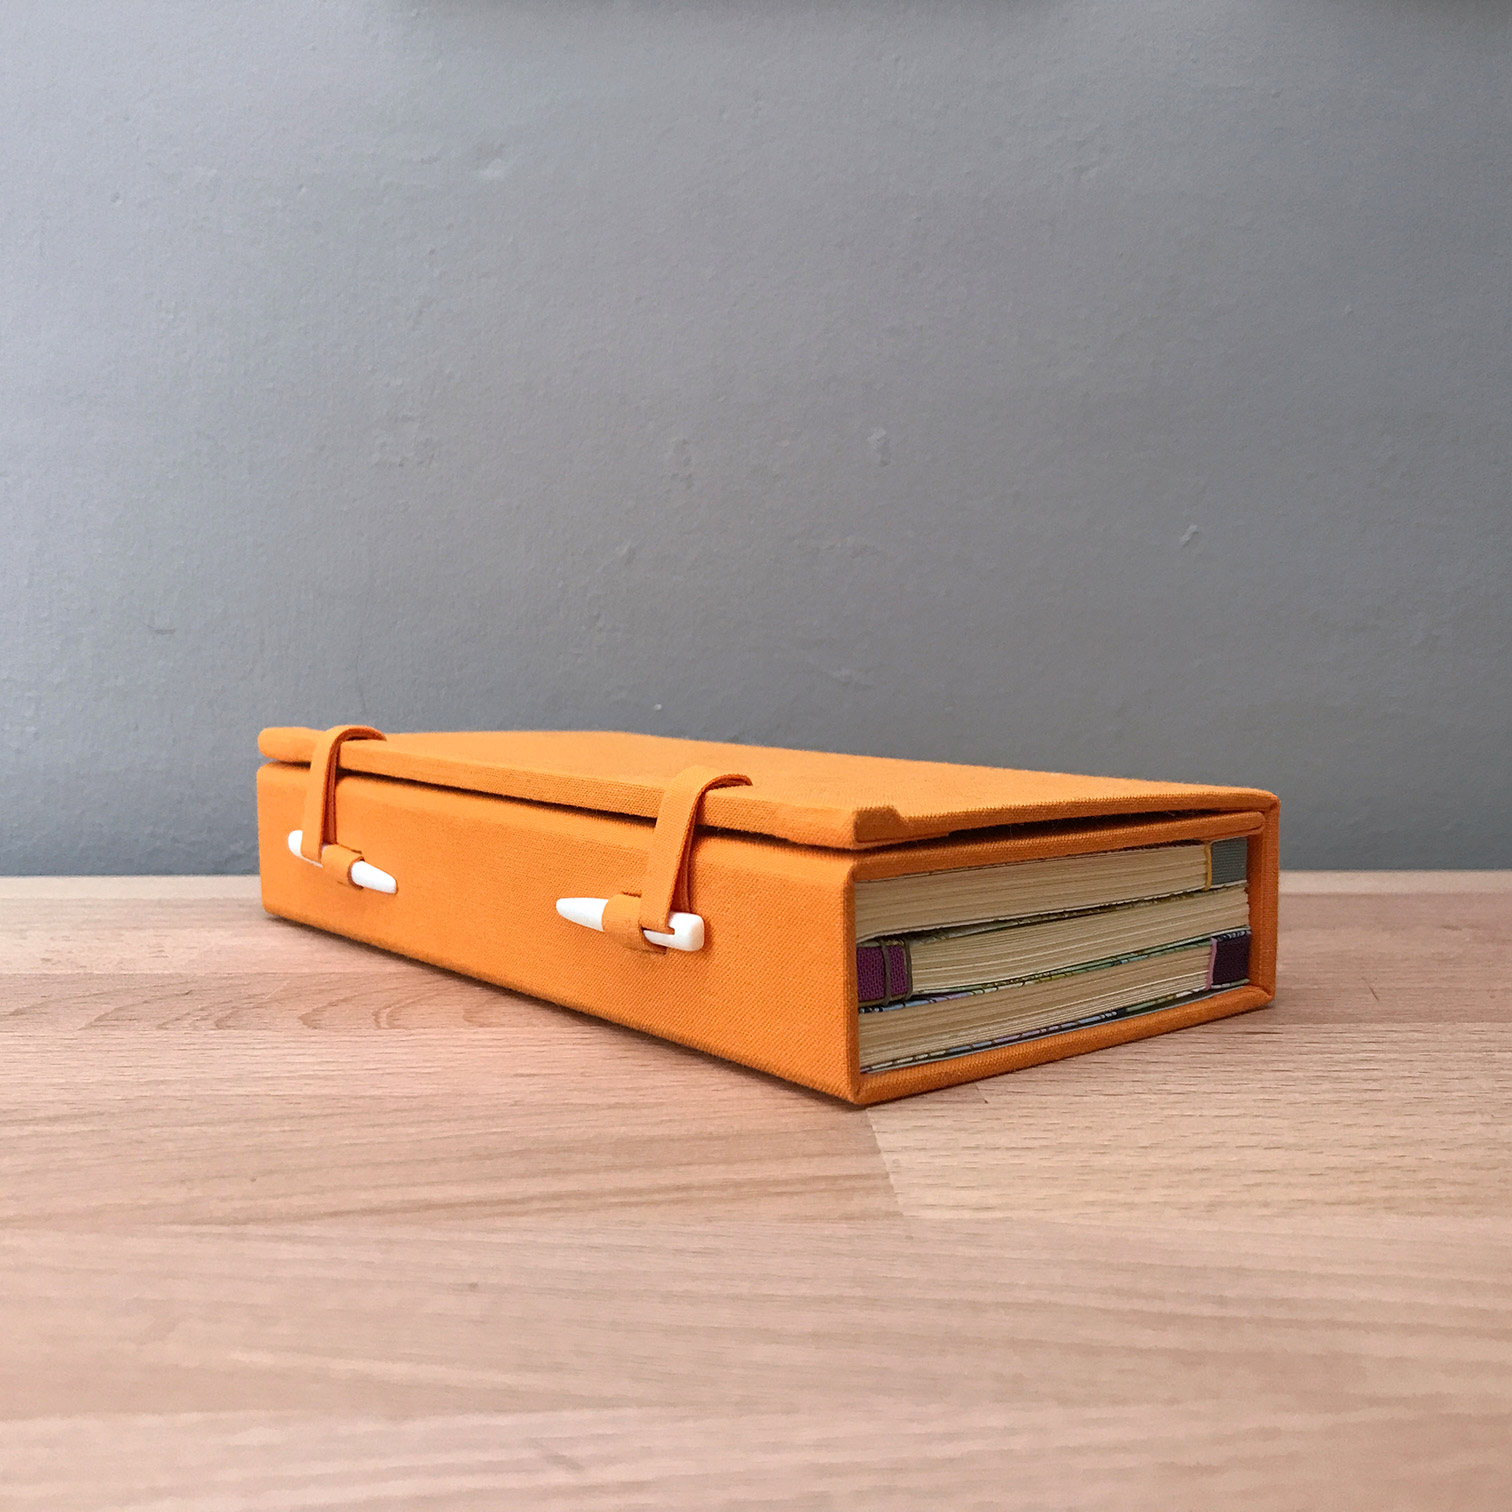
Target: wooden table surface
289	1223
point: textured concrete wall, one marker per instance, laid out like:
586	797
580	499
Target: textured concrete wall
1119	386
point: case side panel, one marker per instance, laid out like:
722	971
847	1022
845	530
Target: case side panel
478	879
1264	882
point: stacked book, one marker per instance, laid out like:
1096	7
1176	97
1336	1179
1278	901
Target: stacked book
953	962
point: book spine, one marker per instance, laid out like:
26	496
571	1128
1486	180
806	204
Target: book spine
883	973
1229	963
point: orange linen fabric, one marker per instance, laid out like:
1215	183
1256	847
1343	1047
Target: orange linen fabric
809	797
479	869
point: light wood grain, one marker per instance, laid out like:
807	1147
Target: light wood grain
1299	883
285	1222
1185	1455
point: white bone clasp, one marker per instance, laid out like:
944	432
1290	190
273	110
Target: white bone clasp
363	874
687	929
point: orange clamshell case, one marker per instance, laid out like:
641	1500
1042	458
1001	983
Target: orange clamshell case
482	832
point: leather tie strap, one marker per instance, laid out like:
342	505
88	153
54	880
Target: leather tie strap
665	890
317	842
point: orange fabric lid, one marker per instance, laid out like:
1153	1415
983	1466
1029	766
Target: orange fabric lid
809	797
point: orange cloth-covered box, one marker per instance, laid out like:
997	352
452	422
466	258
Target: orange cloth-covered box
489	852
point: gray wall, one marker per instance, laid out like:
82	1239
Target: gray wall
1119	386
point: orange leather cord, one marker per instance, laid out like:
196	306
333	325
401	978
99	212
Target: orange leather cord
317	842
665	890
338	861
622	923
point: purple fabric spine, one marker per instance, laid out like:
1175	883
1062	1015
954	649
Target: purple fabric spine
882	974
1230	960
